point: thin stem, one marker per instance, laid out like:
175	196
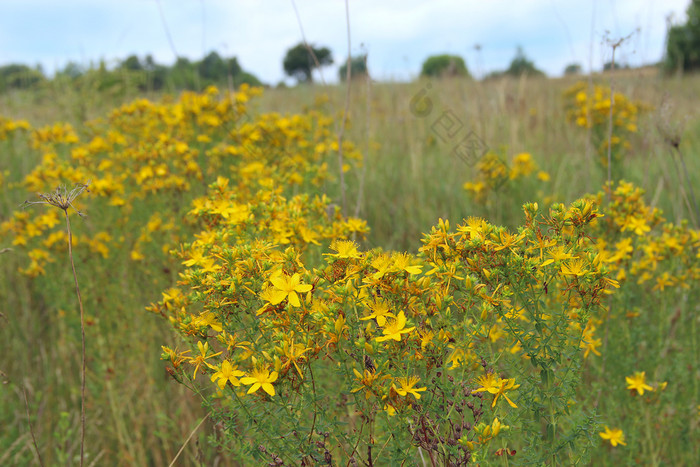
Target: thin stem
313	424
341	131
188	440
308	47
614	46
167	30
363	172
82	341
31	430
610	118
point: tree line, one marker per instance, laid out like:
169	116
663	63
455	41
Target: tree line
143	73
682	54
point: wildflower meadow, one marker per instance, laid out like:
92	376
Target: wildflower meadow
255	277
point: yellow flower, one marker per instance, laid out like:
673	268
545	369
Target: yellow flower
382	263
488	432
589	341
402	263
556	254
202	357
497	426
395	328
574	267
294	353
615	436
407	387
261	378
287	287
207	318
175	357
227	373
507	240
345	249
498	386
637	383
366	379
380	312
637	225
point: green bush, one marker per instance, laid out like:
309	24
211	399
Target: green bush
444	65
358	68
683	42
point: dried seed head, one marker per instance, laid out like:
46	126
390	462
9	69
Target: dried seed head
61	198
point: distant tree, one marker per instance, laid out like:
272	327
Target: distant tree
358	68
131	63
521	65
149	63
16	76
213	68
182	63
156	75
607	66
144	74
72	70
232	67
246	78
299	62
444	65
106	79
493	75
573	69
683	42
183	74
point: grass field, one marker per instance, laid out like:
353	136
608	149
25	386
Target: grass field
408	179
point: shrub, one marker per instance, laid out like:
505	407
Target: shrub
444	65
358	68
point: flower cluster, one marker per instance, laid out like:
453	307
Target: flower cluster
147	161
590	109
282	299
637	243
8	127
493	172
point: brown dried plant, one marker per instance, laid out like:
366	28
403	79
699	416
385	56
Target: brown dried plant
63	198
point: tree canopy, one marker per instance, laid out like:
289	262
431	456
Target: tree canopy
358	68
683	42
521	65
142	73
573	69
19	76
444	65
299	62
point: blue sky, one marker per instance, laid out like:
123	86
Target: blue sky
397	34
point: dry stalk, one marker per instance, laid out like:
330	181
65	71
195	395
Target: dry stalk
614	44
306	44
341	131
188	440
63	199
31	430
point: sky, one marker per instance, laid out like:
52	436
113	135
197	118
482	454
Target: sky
397	35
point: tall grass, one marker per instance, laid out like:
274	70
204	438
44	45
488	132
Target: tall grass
412	178
138	416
